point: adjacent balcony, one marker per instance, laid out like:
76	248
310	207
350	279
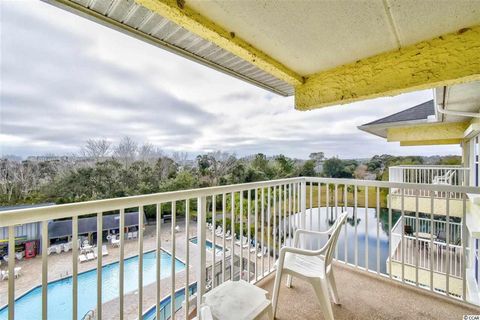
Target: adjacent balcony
160	253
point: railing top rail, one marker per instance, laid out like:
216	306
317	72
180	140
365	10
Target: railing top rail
398	185
408	166
29	215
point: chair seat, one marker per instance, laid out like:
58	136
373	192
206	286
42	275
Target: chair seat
307	266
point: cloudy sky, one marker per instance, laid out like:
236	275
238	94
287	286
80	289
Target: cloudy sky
65	79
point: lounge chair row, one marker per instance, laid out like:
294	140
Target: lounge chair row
92	255
16	273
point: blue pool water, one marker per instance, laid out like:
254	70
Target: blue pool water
29	306
208	244
165	309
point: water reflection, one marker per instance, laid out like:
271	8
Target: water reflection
365	229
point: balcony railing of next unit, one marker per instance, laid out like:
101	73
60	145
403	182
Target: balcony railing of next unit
422	247
438	175
150	272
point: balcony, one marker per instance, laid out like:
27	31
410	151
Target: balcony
420	198
184	239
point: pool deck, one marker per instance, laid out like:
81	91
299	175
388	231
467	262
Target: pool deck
60	266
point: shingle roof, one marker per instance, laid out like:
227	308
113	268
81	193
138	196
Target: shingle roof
419	112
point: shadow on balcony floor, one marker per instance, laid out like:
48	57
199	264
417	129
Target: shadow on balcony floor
365	297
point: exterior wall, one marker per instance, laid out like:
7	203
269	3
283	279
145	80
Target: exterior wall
424	205
439	279
30	230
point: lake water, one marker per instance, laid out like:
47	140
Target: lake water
362	228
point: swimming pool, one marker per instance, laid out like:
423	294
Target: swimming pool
209	244
165	310
29	305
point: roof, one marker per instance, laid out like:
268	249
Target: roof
279	45
63	228
413	115
419	112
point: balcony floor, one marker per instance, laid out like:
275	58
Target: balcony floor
364	296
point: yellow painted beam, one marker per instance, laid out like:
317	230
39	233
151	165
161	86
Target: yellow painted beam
430	142
428	132
177	12
449	59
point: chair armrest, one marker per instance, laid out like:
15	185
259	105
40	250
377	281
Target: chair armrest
298	232
303	252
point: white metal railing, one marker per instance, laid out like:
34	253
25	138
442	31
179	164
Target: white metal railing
265	216
438	175
417	232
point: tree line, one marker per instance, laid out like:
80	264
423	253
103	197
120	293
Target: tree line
102	170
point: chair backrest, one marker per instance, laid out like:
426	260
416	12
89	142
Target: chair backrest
332	241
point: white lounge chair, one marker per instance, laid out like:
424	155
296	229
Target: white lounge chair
226	235
230	237
243	242
17	272
129	235
219	231
314	266
51	250
82	258
115	242
104	250
20	255
3	275
177	229
90	256
264	252
67	246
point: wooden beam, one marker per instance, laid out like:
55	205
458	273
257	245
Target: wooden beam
177	12
446	60
428	132
430	142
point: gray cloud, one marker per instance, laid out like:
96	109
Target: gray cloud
71	80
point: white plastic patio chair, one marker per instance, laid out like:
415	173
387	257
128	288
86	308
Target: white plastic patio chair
82	258
314	266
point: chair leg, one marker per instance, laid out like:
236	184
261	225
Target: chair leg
276	289
333	287
321	290
289	281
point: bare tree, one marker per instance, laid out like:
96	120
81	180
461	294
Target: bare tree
126	151
148	152
181	158
96	148
220	163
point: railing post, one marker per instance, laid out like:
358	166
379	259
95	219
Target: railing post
202	237
303	203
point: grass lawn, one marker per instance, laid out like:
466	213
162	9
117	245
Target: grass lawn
372	196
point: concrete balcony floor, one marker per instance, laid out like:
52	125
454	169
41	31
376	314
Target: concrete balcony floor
364	296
